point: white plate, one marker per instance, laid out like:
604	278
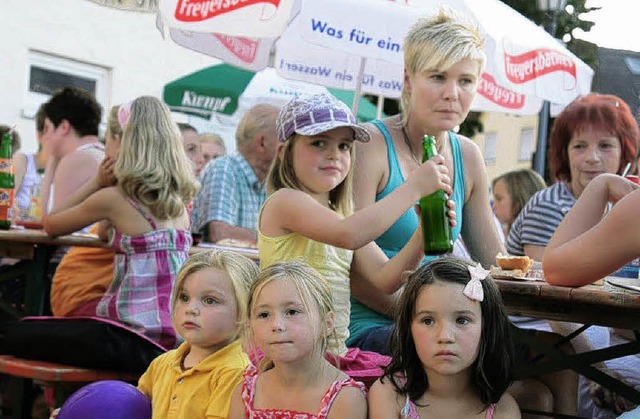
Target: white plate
251	250
533	275
626	284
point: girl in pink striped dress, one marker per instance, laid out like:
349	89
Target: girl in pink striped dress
291	319
452	356
140	199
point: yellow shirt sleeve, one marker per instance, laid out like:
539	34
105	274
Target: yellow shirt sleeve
221	392
145	383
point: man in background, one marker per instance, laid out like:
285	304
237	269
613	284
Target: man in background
70	139
232	190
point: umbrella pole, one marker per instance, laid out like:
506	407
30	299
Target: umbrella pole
358	91
380	106
541	145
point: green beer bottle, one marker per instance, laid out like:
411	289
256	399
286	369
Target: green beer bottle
436	230
6	181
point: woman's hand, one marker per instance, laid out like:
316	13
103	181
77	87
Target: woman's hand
431	176
451	213
105	176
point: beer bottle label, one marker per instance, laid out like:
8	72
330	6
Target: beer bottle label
6	166
6	197
6	201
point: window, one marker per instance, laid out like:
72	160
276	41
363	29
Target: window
633	64
48	73
526	144
490	145
45	81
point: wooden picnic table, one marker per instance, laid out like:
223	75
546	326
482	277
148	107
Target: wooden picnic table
589	305
35	247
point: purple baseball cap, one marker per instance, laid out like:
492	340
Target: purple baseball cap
314	114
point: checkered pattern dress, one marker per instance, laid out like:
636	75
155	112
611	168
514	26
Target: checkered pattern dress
145	268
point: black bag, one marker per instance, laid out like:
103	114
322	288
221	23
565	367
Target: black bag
88	342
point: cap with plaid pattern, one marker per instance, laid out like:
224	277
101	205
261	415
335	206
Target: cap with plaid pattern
314	114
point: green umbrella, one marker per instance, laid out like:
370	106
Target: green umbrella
222	89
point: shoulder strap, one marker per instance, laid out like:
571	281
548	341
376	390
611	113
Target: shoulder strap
249	379
142	212
89	146
392	156
490	411
332	393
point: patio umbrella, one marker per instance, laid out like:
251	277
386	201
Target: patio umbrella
227	90
150	6
356	45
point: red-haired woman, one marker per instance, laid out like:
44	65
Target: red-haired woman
595	134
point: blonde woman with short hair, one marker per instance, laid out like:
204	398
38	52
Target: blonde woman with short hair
443	59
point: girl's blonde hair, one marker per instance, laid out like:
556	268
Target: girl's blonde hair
152	167
214	139
241	270
113	125
314	292
437	43
282	175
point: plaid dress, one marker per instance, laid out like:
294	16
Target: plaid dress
145	268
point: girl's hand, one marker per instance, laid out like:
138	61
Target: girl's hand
54	414
105	174
618	187
431	176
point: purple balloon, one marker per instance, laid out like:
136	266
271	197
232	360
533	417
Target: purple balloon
105	400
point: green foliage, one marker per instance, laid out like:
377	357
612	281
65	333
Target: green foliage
471	125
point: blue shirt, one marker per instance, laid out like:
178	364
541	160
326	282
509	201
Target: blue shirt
230	193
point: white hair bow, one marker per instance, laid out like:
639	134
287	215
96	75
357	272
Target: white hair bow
473	289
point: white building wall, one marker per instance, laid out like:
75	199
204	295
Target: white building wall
127	44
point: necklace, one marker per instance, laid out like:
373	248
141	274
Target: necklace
408	143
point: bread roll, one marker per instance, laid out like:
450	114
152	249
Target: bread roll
510	263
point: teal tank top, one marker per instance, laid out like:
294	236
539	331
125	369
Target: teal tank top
362	318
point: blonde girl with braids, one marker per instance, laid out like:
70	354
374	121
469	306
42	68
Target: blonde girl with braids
291	319
140	197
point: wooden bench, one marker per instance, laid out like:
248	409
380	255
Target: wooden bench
61	378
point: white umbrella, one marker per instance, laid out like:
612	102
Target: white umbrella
356	45
134	5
